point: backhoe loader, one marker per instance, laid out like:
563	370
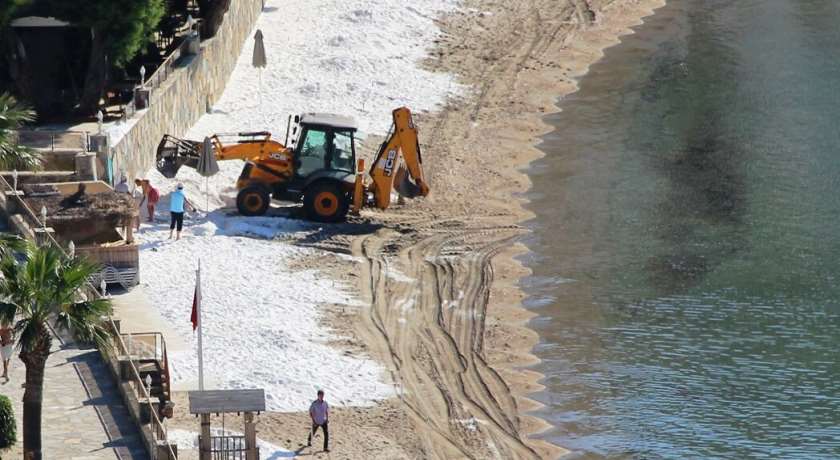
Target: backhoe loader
316	166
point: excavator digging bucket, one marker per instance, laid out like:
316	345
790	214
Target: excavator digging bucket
404	186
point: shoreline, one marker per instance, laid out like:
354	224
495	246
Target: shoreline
603	36
577	51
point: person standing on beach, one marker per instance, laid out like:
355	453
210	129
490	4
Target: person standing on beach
6	348
122	187
319	412
151	196
177	201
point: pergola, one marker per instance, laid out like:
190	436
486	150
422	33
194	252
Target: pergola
247	402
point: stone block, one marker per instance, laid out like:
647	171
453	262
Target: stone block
44	235
147	405
86	166
142	98
126	375
99	143
193	44
163	451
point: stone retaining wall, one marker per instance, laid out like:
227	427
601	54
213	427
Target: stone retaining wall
184	97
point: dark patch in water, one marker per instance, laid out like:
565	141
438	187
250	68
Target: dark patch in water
676	273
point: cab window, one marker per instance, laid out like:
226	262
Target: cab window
343	155
313	152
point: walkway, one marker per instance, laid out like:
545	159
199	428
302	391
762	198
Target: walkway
83	417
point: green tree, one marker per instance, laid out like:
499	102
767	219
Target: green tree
120	29
12	116
46	286
8	8
8	430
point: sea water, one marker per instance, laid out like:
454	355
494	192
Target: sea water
686	249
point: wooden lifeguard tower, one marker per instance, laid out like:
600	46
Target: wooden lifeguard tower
228	447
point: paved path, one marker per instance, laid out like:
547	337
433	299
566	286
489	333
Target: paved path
83	417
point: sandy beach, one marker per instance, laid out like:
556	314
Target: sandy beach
437	279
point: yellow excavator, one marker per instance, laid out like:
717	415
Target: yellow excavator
317	165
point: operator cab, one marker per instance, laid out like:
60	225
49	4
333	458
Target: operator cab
324	142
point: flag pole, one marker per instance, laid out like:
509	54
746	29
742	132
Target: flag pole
198	317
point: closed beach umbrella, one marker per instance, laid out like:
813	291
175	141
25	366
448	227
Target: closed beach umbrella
258	59
207	165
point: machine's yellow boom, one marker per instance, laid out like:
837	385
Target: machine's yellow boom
172	152
399	152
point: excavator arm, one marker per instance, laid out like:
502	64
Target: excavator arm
172	152
398	159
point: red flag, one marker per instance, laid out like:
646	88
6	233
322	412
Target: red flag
194	315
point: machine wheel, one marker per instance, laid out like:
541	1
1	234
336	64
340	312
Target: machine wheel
253	200
325	202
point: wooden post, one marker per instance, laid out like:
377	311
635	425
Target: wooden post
204	445
251	452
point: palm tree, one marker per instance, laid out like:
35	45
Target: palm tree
39	286
12	116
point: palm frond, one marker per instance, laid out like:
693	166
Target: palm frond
11	244
8	311
30	333
20	157
13	115
50	284
72	277
84	319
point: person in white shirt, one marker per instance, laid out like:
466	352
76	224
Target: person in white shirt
122	187
319	412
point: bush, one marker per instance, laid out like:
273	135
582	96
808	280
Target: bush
8	434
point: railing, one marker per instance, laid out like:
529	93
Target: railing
158	77
227	447
158	430
150	345
140	389
54	138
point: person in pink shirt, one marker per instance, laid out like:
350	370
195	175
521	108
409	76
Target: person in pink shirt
151	196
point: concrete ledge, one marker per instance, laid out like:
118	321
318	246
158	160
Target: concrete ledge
38	177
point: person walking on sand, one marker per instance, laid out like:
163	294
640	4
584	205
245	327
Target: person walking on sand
151	196
177	201
6	348
319	412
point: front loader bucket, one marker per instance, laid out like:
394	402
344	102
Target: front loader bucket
172	153
168	167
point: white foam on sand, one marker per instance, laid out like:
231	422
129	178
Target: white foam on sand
261	319
354	57
188	441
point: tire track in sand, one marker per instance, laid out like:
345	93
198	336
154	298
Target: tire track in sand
429	284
